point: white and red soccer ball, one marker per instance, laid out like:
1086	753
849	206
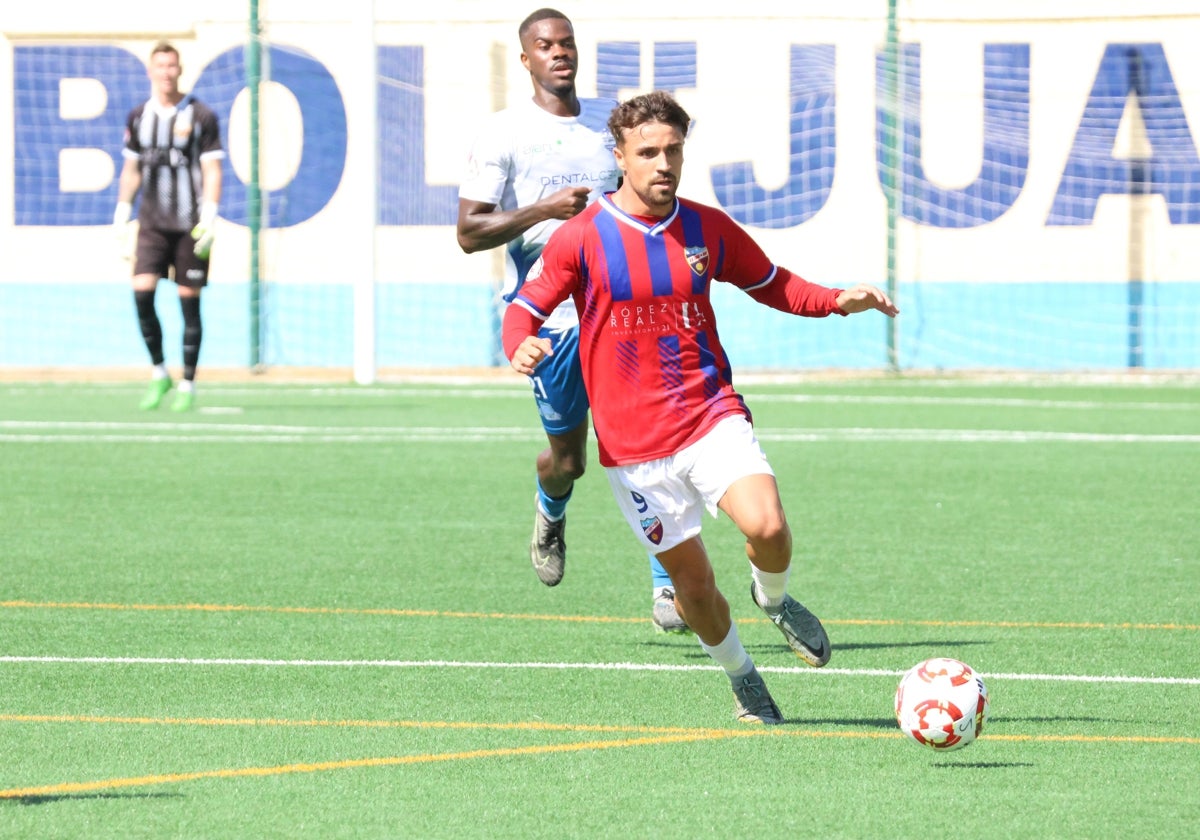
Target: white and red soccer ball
941	704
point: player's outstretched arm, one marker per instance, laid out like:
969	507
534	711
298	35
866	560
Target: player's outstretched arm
864	296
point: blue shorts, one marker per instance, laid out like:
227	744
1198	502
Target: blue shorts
558	383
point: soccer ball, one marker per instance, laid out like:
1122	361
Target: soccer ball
941	704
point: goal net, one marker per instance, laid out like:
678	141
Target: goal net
1027	184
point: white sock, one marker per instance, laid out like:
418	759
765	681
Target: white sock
160	372
187	386
769	587
730	654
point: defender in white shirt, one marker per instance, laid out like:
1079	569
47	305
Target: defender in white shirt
532	167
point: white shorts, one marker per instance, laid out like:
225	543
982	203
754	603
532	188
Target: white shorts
664	500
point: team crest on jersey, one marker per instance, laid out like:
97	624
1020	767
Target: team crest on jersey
183	126
697	258
653	529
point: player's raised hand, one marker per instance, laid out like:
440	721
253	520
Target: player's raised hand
567	202
530	351
864	296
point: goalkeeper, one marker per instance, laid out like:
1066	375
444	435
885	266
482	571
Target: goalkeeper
173	150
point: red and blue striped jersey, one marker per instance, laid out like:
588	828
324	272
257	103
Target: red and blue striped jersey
656	374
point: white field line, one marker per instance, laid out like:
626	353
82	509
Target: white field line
39	431
562	666
520	390
990	402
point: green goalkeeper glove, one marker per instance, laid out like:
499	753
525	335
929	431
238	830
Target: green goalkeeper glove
206	230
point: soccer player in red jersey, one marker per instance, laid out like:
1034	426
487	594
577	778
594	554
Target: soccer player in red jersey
675	437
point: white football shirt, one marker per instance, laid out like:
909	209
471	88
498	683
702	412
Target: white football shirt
523	154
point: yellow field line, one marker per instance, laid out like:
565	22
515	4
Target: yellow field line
249	608
1098	739
1038	625
689	732
533	726
66	788
663	736
408	613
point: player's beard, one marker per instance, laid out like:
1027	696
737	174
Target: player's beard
660	196
559	86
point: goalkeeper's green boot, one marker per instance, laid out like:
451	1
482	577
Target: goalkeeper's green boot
184	401
155	393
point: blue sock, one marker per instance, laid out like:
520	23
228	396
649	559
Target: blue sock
555	509
658	575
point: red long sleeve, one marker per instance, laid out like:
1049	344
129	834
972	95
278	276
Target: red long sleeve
519	324
790	292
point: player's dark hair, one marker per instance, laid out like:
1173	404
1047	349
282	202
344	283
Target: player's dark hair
539	15
164	47
658	106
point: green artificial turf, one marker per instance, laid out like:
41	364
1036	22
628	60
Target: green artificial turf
309	611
